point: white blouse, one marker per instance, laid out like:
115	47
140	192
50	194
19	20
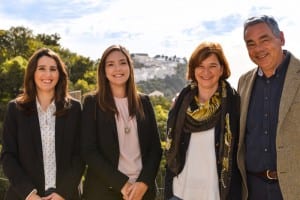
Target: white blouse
47	128
199	179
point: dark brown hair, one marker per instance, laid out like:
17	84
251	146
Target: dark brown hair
104	94
203	51
29	94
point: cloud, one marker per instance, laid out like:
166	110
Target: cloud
169	27
48	10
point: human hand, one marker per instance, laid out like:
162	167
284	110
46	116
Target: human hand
137	191
53	196
125	190
34	196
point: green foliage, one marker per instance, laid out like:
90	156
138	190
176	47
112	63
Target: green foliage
11	76
3	46
78	65
49	40
83	86
16	42
161	118
162	101
161	107
90	77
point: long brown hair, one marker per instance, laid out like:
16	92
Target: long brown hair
29	94
104	94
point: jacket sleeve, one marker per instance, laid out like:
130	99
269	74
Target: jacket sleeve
96	161
151	146
72	176
12	168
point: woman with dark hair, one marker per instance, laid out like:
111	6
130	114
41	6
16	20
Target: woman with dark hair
41	149
203	132
120	140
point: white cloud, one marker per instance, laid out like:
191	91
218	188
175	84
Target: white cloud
169	27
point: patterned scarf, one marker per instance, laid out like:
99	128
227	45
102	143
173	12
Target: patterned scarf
187	116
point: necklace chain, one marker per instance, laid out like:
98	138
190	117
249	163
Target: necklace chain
127	128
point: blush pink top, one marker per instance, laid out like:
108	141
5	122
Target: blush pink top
130	162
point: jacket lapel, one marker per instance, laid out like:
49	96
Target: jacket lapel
59	135
36	132
245	88
290	87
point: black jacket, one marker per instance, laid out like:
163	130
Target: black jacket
22	156
100	149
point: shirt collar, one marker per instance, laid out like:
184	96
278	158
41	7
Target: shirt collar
283	64
51	107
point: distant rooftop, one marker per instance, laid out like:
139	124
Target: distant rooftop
139	54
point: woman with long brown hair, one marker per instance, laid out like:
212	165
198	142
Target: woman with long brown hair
41	149
120	140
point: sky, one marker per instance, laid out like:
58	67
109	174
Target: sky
164	27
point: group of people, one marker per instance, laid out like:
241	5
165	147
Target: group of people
222	143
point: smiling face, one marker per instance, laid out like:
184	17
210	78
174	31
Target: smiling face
263	47
208	73
46	75
117	69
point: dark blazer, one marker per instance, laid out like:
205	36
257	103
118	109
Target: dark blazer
22	156
100	149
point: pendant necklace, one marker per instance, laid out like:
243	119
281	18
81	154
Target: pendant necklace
127	130
126	125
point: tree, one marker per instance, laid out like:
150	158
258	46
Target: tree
50	40
83	86
90	77
161	118
161	107
11	76
16	40
4	45
77	65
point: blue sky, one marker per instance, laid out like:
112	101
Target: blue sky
169	27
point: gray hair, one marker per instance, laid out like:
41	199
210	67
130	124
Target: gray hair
268	20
